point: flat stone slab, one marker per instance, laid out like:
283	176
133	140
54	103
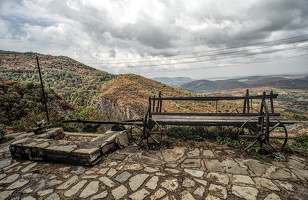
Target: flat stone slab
65	149
171	155
50	146
193	172
222	179
245	192
124	176
191	163
119	192
136	181
170	184
5	163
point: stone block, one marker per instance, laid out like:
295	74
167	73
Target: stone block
20	142
50	146
66	148
87	156
55	133
108	147
122	139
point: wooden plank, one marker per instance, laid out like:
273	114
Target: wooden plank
200	124
214	114
202	117
229	121
214	98
205	121
210	123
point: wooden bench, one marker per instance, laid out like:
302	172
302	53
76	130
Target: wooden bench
259	127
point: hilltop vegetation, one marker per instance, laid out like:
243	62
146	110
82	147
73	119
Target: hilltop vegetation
21	105
76	82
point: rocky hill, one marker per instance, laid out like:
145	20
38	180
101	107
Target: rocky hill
128	94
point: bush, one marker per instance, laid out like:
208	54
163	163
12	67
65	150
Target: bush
2	131
222	134
301	143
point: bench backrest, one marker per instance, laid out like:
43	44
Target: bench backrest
156	103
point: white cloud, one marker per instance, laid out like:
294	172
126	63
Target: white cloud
116	30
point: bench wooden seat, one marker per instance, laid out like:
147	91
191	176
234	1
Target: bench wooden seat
208	119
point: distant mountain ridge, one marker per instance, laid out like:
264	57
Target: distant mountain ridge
173	81
279	81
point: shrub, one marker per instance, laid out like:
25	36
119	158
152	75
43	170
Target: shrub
301	143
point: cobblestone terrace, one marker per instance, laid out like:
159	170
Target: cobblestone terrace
178	173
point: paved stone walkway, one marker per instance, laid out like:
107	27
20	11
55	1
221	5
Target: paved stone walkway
178	173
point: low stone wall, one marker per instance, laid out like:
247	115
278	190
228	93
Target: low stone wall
50	146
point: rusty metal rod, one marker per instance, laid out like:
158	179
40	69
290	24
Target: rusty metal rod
43	91
129	122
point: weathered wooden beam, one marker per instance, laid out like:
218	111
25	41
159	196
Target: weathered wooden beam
215	114
214	98
160	102
272	103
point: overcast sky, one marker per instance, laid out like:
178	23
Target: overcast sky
156	38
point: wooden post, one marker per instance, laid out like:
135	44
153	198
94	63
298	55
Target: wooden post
160	102
157	106
251	105
43	91
150	114
216	106
261	114
153	109
245	102
262	104
247	99
272	104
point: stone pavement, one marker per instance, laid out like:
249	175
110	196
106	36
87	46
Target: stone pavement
179	173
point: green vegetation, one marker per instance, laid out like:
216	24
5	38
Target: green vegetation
221	135
300	144
21	106
17	100
4	138
74	81
2	131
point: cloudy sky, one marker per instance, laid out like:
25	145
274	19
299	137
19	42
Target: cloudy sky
157	38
